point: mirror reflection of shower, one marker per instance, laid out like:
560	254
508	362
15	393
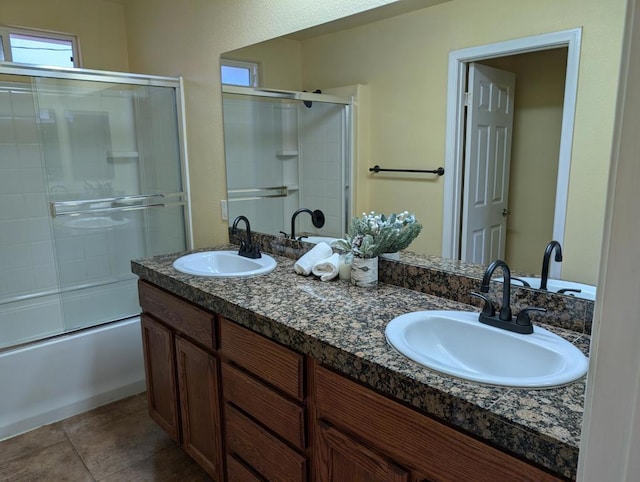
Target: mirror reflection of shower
285	151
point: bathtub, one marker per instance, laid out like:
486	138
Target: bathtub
50	380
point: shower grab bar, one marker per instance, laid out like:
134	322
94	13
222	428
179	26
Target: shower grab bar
115	204
439	171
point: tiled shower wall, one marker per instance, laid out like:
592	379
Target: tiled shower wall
322	153
26	243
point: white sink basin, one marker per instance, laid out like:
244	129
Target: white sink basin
224	264
587	292
456	343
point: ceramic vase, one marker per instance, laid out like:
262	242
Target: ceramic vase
364	272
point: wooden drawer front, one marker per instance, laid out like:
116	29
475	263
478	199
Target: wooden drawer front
275	364
411	438
275	412
236	472
182	316
263	452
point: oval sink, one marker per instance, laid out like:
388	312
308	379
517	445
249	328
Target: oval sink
456	343
587	292
224	264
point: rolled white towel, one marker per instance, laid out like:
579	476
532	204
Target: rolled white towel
305	264
328	268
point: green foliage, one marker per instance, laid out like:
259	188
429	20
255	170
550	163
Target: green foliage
373	234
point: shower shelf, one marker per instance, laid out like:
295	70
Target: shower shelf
287	153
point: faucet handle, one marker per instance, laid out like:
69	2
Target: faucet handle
523	318
569	290
487	309
524	283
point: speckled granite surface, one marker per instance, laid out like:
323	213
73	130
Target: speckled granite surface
343	327
453	279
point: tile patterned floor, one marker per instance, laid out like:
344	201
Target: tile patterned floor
114	443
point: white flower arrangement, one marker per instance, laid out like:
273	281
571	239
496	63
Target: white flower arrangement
374	234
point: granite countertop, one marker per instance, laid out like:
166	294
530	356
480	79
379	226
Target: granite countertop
343	326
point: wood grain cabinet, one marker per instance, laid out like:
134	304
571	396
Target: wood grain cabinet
162	394
249	409
182	375
263	390
364	436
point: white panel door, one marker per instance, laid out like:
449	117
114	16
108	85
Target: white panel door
487	158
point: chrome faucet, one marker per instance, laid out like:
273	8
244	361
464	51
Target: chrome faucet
247	249
504	320
546	259
317	218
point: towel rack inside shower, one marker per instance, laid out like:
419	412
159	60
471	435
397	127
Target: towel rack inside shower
439	171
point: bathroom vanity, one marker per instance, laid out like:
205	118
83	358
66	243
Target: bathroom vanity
282	377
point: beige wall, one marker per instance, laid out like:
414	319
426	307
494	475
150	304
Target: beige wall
279	62
98	24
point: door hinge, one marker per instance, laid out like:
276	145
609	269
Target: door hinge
467	99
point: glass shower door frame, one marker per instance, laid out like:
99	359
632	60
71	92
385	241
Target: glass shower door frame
96	208
176	83
257	194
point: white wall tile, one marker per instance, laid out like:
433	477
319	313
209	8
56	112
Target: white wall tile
39	229
5	104
26	131
42	253
10	181
23	104
16	256
29	155
17	281
47	278
32	180
8	155
10	205
69	249
35	205
7	131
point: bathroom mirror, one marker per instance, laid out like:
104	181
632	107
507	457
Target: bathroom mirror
402	130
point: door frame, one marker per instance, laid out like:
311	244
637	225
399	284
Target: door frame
455	123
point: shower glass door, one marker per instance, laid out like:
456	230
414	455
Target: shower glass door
111	155
91	176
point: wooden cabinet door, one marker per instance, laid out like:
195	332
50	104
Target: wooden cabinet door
340	457
199	400
159	356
